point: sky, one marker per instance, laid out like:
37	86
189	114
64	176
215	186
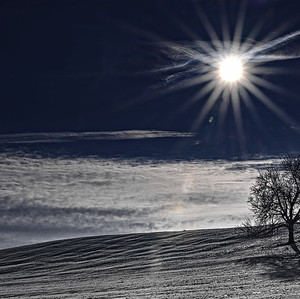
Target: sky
119	116
94	65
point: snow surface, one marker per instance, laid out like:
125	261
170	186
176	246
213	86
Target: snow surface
187	264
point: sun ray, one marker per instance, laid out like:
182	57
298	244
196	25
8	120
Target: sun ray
250	106
250	41
207	107
223	112
201	93
206	47
172	67
268	85
270	36
268	102
274	44
157	91
269	58
209	28
253	113
239	26
190	83
224	105
181	51
197	96
238	117
276	32
224	23
176	20
268	70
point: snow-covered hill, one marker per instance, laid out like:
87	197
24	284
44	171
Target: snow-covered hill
187	264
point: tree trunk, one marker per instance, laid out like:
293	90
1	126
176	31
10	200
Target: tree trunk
291	238
291	234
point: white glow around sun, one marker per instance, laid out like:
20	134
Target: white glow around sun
228	70
231	69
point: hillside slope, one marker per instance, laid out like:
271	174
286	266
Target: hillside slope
187	264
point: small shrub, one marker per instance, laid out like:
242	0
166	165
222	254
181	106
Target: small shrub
257	230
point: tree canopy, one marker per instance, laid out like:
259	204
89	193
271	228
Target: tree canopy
275	196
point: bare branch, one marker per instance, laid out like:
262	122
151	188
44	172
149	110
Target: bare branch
275	196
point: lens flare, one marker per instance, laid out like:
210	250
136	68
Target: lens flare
231	69
228	70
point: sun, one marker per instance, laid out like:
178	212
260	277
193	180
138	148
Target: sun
231	69
227	71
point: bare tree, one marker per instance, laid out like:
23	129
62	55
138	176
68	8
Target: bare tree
275	196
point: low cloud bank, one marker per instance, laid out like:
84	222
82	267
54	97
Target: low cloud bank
49	198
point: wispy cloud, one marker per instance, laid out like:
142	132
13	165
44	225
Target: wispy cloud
82	136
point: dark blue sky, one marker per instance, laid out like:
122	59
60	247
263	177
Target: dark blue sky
80	65
73	65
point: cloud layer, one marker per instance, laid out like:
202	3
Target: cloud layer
50	198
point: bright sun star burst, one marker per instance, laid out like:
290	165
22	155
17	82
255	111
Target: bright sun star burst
227	71
231	69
